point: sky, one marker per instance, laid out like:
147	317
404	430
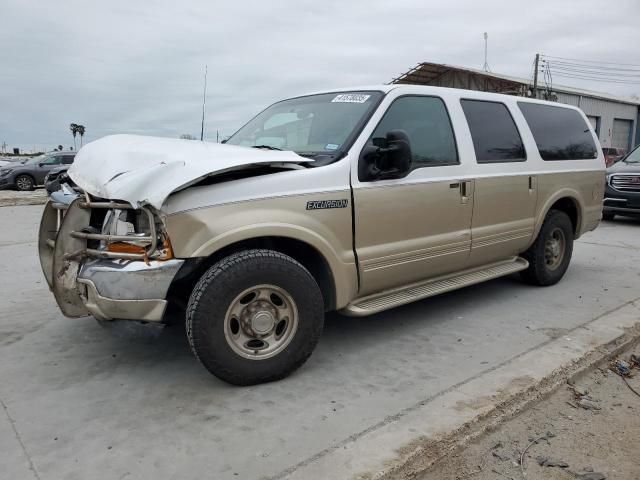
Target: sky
137	67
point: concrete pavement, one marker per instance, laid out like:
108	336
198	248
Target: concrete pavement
11	198
80	401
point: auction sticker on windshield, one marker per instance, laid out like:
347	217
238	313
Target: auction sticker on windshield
351	98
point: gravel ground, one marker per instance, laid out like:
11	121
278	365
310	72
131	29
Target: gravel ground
10	198
588	430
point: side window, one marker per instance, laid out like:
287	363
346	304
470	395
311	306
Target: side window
426	121
560	133
67	159
494	133
52	160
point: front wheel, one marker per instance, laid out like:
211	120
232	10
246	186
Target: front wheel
255	317
24	183
550	254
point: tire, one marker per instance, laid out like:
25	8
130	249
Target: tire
222	310
608	216
546	264
25	183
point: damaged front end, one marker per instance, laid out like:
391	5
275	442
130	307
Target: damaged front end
112	258
106	259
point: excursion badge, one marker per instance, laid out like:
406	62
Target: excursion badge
323	204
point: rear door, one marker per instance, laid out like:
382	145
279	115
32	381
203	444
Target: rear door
419	226
505	192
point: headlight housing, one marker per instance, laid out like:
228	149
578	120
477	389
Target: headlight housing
137	231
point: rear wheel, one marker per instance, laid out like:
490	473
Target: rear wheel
255	317
24	183
550	254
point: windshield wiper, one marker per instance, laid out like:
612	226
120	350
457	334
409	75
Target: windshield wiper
266	147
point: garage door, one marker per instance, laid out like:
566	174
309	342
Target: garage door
621	136
595	124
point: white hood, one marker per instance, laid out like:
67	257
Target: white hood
146	170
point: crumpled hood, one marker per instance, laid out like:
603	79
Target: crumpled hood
146	170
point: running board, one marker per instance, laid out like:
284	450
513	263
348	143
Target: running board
385	300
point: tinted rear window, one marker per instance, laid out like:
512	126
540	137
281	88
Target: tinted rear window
494	133
560	133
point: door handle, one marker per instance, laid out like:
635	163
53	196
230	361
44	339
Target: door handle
465	191
532	183
454	185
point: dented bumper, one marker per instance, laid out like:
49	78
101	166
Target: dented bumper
126	289
83	283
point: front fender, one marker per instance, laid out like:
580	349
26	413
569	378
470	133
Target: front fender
203	232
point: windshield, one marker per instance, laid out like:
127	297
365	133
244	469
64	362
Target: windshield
34	160
634	156
323	124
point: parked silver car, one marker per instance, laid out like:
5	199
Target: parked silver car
29	173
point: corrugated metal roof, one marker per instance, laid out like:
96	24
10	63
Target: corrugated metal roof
429	71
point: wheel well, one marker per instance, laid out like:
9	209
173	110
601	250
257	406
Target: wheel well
300	251
568	206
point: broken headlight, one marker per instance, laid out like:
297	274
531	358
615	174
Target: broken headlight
135	232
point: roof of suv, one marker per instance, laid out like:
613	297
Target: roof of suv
58	152
433	90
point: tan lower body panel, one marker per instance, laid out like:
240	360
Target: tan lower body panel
417	291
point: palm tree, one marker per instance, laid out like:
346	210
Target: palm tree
74	131
81	131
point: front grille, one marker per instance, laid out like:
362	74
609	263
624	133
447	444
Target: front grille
626	183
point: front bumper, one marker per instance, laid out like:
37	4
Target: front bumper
107	288
621	202
6	183
125	289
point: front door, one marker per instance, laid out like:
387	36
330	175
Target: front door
45	166
419	226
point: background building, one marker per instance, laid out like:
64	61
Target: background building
615	119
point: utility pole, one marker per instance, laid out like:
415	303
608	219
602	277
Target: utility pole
204	102
535	77
486	64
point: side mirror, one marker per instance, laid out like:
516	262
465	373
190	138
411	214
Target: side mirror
387	158
41	164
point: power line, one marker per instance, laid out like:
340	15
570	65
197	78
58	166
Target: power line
605	80
589	70
595	73
595	77
592	67
591	75
593	61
